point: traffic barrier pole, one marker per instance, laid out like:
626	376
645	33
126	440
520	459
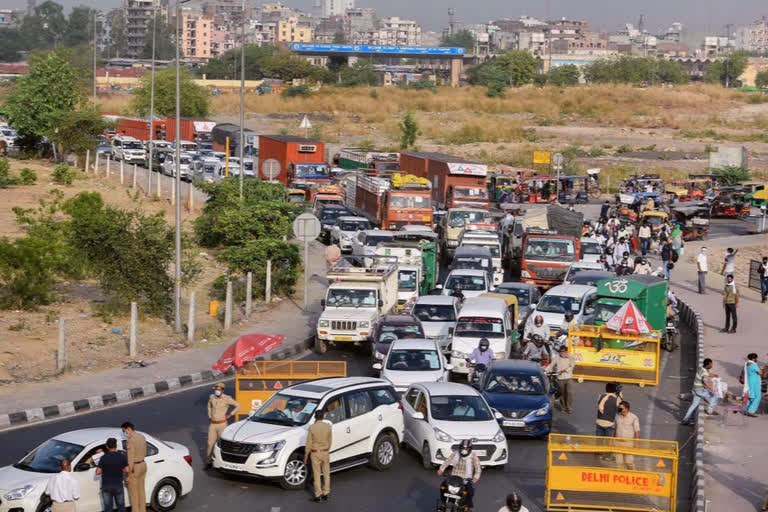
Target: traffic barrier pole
191	319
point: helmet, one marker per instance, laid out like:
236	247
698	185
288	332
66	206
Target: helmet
514	502
484	344
538	340
538	320
465	447
568	317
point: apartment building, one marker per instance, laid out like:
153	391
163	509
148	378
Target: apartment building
138	14
394	31
336	7
292	30
753	37
196	35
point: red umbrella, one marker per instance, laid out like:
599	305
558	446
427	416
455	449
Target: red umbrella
246	348
628	320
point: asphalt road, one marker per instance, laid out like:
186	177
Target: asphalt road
181	418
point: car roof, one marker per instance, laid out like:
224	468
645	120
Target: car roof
592	274
379	232
472	250
399	320
412	344
478	306
318	388
415	227
352	218
437	300
467	272
590	239
89	435
593	265
448	389
570	290
522	286
516	365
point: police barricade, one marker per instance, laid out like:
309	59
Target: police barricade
601	354
588	473
257	381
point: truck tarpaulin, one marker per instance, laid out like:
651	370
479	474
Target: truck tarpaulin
467	169
564	221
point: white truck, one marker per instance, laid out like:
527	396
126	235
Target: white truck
355	300
410	273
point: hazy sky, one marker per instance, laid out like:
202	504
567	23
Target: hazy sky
698	15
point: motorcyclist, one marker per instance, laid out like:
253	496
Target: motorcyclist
458	293
514	503
536	351
538	328
466	465
480	355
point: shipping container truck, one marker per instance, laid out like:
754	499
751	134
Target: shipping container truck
392	204
551	243
455	181
221	132
139	128
376	161
295	162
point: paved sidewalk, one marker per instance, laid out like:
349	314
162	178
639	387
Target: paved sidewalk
734	454
287	318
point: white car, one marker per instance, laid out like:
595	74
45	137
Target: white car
185	165
346	229
367	429
439	415
413	360
591	250
437	314
581	266
169	471
473	282
128	149
576	299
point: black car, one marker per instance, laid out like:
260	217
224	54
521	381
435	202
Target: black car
591	277
528	296
328	215
391	328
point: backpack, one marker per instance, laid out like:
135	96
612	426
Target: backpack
674	256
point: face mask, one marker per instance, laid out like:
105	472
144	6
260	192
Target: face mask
217	392
124	436
483	348
464	453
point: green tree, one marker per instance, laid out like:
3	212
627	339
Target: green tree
564	76
194	98
728	70
462	39
731	175
635	70
361	73
79	28
518	65
11	44
118	34
45	28
49	89
78	130
409	131
165	39
761	80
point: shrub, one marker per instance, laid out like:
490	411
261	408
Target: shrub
6	180
421	84
596	151
374	94
295	91
63	174
28	176
624	148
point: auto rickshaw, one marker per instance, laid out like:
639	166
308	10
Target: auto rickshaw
654	218
759	198
539	189
505	178
692	222
642	183
695	188
575	189
296	196
730	204
750	189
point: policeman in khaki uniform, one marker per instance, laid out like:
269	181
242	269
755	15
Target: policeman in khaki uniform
218	407
318	445
135	451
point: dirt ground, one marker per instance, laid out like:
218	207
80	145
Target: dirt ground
742	263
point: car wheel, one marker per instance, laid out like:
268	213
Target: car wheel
165	496
384	450
321	346
426	457
295	473
45	507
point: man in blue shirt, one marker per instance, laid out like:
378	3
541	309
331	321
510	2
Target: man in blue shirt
113	467
481	355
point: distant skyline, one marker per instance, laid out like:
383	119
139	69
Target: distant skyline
699	16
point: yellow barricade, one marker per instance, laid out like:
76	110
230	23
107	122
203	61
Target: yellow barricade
601	354
588	473
257	381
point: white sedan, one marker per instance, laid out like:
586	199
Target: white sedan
169	471
413	360
439	415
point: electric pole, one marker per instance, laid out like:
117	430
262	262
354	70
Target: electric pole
242	101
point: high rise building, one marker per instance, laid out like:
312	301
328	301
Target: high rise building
138	14
753	37
336	7
196	35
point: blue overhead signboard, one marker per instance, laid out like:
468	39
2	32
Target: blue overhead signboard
385	50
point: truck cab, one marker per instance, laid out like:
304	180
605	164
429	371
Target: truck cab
546	257
454	222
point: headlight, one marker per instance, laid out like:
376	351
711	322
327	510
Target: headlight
269	447
19	493
323	323
542	411
525	273
499	437
378	355
442	436
456	353
363	325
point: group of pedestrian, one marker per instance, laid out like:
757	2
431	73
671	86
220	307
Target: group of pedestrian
116	468
615	419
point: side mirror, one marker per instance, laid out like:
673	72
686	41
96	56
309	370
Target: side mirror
82	466
376	366
418	415
381	303
322	302
438	287
451	330
497	414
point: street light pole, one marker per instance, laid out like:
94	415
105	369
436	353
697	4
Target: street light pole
177	180
152	104
242	100
94	57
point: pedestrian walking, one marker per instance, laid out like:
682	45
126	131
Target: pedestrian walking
763	270
136	450
702	390
604	209
702	267
627	427
218	416
63	489
607	406
319	441
620	248
644	234
666	258
114	471
730	304
752	386
562	364
729	262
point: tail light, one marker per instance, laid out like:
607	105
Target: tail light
188	458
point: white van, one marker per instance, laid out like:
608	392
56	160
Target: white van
491	241
481	317
576	299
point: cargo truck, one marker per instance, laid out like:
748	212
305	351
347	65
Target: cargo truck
417	268
355	300
295	162
457	220
391	204
551	243
164	129
455	181
376	161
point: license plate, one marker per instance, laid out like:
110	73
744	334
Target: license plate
342	338
452	496
512	423
479	453
229	465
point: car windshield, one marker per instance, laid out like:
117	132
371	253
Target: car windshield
413	360
340	297
354	225
189	147
390	333
332	213
653	220
398	201
557	304
185	160
515	383
286	410
435	312
47	457
311	171
456	219
466	283
555	249
10	133
248	165
329	200
574	270
494	248
374	240
521	294
210	168
591	248
459	408
604	312
471	192
479	327
407	280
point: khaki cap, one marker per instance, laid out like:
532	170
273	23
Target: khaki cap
218	385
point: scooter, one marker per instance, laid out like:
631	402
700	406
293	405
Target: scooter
453	495
479	371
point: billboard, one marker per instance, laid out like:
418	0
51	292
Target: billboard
374	49
468	169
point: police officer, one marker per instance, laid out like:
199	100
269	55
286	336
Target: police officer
319	441
218	407
135	451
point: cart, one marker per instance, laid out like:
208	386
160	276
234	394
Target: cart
692	222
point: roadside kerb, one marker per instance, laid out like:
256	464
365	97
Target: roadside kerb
694	322
123	396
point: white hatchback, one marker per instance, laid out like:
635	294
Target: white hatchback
413	360
169	471
438	416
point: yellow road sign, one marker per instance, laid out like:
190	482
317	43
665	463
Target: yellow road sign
542	157
569	478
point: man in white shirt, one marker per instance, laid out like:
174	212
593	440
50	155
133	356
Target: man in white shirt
729	263
63	489
644	234
620	249
702	267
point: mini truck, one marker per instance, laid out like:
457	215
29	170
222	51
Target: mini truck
416	268
355	300
392	204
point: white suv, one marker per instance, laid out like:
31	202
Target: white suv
129	149
367	428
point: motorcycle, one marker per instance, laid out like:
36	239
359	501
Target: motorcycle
453	495
554	384
671	338
477	375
